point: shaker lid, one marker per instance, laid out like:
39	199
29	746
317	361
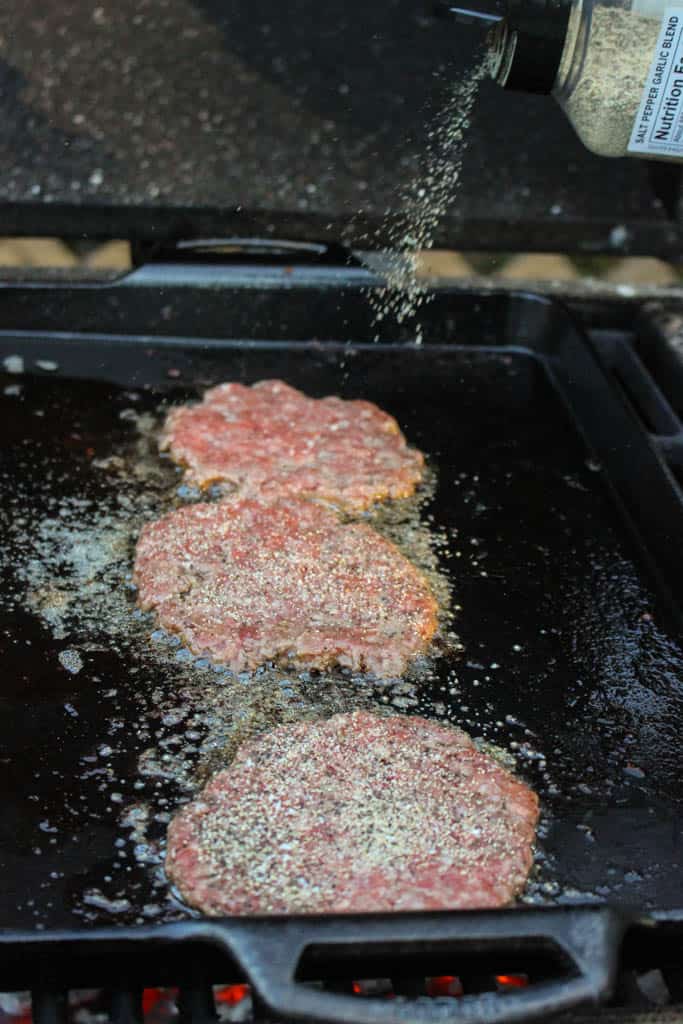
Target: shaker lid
527	38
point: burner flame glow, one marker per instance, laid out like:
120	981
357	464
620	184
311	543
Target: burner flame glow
231	994
512	980
444	985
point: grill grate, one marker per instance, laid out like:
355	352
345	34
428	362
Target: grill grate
201	1003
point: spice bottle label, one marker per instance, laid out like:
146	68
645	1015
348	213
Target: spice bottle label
658	128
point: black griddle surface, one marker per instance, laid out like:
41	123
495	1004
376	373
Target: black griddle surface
566	662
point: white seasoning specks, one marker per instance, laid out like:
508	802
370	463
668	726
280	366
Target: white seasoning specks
424	203
71	661
13	364
358	812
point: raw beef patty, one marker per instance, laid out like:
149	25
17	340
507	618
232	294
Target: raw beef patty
247	582
355	813
271	441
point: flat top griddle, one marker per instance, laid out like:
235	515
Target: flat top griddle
567	617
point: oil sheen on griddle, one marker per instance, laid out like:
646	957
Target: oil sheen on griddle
72	554
564	665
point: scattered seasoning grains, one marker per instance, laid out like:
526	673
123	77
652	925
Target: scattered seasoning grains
424	203
246	582
67	559
13	364
360	812
71	661
271	440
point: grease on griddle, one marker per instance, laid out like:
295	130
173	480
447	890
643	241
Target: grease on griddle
175	718
72	564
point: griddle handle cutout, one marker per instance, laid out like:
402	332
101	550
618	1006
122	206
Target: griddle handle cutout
232	249
588	939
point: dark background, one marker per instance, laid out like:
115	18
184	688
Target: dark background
162	118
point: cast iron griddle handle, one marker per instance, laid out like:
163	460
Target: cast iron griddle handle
588	938
269	952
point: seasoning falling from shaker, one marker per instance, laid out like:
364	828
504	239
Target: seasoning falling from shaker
423	203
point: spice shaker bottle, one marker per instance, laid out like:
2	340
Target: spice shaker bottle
614	66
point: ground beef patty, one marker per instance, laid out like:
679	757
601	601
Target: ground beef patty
247	582
271	441
356	813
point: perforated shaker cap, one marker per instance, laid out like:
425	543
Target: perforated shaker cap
537	31
528	38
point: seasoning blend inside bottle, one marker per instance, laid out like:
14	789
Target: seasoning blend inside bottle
614	66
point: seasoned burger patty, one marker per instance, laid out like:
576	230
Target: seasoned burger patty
272	441
356	813
246	582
